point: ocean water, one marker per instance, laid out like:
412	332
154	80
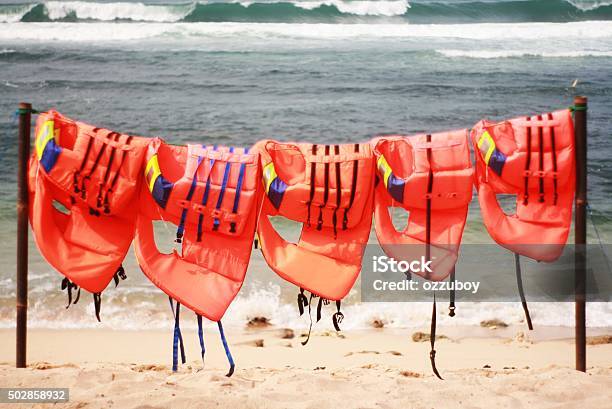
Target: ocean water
321	71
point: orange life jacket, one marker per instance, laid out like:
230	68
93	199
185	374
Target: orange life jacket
95	175
430	176
211	194
532	158
328	188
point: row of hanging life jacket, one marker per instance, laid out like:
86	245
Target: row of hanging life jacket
94	191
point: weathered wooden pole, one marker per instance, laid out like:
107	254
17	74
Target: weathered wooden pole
25	117
580	129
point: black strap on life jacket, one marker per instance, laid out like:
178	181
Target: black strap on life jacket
107	172
309	316
228	354
302	301
78	296
322	302
430	177
69	286
353	190
313	172
541	159
338	193
527	165
119	274
554	160
519	283
325	191
93	168
432	335
432	340
338	316
77	174
97	297
451	304
177	339
115	178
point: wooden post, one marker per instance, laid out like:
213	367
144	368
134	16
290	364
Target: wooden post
580	129
25	117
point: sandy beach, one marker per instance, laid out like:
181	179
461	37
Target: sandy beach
378	368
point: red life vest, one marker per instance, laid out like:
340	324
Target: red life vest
532	158
328	188
211	194
94	174
431	177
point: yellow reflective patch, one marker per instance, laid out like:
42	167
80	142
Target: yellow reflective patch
490	146
46	133
269	174
152	172
384	168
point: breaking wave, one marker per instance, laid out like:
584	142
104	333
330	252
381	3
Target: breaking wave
313	11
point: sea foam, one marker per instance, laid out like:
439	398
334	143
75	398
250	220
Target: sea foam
105	32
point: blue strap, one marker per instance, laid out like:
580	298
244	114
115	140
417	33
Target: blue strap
178	337
201	335
223	186
227	351
181	226
205	196
238	190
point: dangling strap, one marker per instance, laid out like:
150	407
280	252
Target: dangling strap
115	176
177	336
108	171
78	296
313	172
226	173
338	317
432	340
238	190
69	286
325	191
432	334
302	301
97	297
338	192
194	182
227	351
119	274
201	336
319	307
309	316
205	196
428	204
554	160
519	283
541	159
527	165
451	305
353	190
